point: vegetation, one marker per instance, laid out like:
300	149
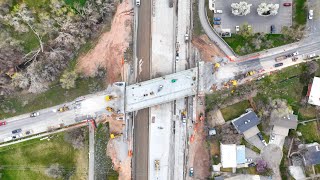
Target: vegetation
103	163
197	27
46	159
300	12
251	43
248	145
310	132
235	110
39	39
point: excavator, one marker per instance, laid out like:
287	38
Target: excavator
109	98
63	108
110	109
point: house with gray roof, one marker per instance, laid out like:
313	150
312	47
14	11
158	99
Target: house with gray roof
282	125
246	124
312	154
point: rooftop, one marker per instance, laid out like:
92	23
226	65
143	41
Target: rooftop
312	155
232	155
290	121
314	97
246	121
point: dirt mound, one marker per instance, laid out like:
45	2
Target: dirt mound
109	51
207	48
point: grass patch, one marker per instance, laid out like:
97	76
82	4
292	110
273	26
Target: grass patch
317	168
73	2
226	169
197	27
103	164
308	112
29	160
236	42
300	12
29	40
309	132
235	110
54	96
37	4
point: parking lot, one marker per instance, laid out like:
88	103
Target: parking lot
258	23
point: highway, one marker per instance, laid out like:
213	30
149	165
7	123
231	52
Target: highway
141	118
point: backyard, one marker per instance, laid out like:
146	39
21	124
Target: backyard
235	110
32	159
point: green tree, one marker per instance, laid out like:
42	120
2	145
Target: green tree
68	79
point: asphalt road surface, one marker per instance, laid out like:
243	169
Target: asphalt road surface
141	120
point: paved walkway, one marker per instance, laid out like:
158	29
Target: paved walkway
91	151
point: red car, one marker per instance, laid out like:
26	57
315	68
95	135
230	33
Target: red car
286	4
2	123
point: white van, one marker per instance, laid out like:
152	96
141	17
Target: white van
137	2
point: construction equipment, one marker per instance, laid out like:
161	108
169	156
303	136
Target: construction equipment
112	136
250	73
109	98
280	58
110	109
216	65
63	108
173	80
157	165
234	82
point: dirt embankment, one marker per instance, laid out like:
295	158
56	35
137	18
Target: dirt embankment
109	51
207	48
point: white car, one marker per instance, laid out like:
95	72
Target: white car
311	55
295	53
310	14
237	28
34	114
218	11
137	2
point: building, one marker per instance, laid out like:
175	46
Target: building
246	124
312	154
232	155
282	125
314	92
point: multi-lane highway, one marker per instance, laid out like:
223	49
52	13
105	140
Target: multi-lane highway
141	118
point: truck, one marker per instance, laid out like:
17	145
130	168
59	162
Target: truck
157	165
170	3
281	58
63	108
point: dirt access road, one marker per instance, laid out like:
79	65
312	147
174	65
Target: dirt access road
141	120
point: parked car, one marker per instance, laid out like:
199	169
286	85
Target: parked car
251	164
186	37
34	114
16	131
273	29
295	53
260	136
218	11
29	132
217	19
311	55
2	123
191	172
286	4
237	28
278	65
137	2
216	22
272	136
310	14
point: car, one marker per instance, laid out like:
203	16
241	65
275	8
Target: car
286	4
237	28
218	11
16	131
295	53
216	22
278	65
252	164
186	37
217	19
137	2
34	114
311	55
260	136
273	29
2	123
29	132
272	136
310	14
191	172
177	57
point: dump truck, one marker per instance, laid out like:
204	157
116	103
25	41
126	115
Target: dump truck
157	165
250	73
109	98
281	58
110	109
63	108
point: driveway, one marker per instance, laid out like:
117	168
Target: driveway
255	141
272	154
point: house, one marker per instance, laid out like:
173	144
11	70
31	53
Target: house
314	92
246	124
282	124
232	155
312	154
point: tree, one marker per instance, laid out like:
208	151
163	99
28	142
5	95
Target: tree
265	9
293	33
241	8
68	80
246	30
